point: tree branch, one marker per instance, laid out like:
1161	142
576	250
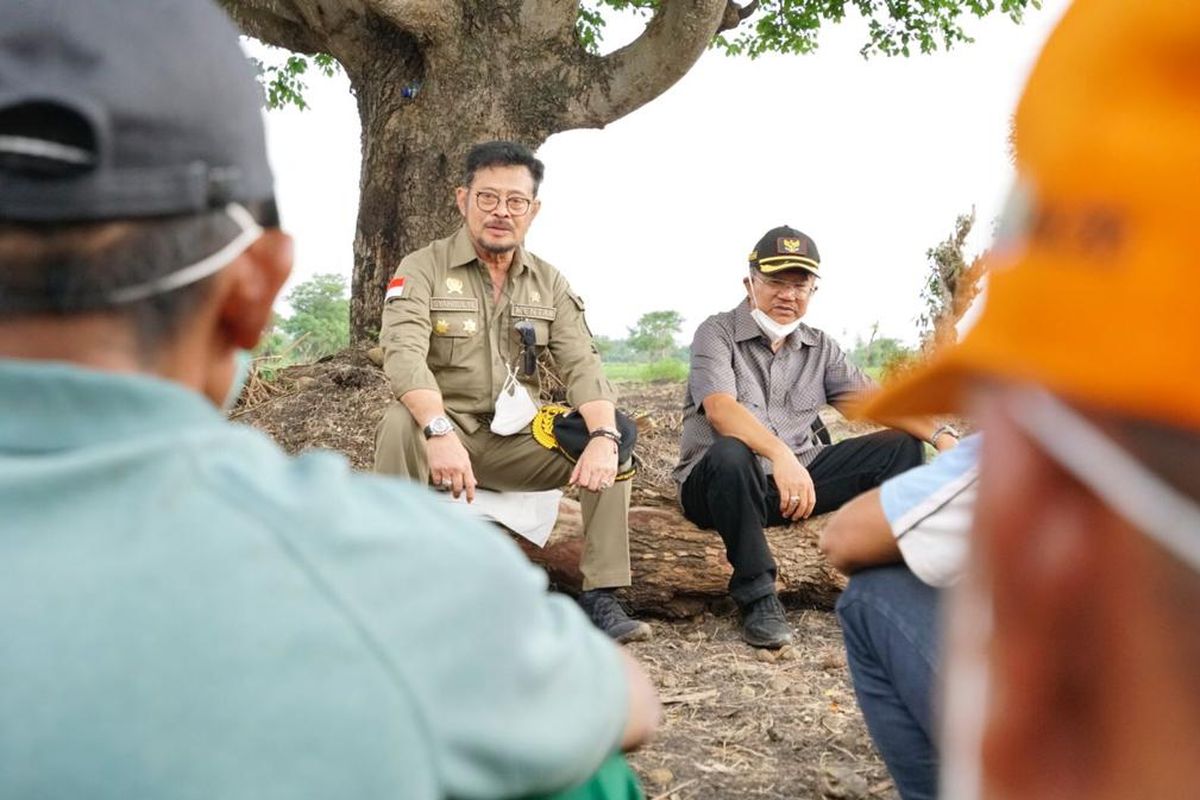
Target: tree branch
425	20
735	15
642	70
275	22
330	17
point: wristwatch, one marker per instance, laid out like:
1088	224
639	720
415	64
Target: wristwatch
438	426
950	429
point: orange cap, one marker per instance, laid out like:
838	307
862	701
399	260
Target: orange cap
1094	283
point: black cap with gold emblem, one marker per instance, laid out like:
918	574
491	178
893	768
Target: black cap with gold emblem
785	248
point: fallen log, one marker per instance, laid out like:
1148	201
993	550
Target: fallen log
679	569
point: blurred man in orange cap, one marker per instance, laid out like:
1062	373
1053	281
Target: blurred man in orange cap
1075	653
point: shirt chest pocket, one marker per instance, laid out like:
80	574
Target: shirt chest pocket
749	387
456	332
539	317
805	397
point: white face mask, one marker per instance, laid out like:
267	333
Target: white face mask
774	331
1146	501
514	407
248	234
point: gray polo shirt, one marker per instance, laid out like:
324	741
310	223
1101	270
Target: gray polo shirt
783	390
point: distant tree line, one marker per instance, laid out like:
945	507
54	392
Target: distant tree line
879	353
318	326
650	340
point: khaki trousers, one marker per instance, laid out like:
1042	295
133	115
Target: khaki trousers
519	463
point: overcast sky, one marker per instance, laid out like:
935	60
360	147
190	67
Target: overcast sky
873	159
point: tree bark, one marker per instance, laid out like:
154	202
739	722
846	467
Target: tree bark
679	570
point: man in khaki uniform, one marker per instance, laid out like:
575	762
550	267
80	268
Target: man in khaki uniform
451	340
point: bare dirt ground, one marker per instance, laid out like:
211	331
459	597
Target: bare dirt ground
739	722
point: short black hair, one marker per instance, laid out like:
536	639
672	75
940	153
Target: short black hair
502	153
68	268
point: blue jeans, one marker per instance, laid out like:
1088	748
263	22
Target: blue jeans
890	623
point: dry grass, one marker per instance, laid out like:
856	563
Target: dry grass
745	723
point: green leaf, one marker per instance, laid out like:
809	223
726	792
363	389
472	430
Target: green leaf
282	76
894	27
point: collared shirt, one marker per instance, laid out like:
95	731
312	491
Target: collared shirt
444	332
930	508
188	612
783	390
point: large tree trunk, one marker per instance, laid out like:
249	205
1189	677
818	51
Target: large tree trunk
414	139
679	570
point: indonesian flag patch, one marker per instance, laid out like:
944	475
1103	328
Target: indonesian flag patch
395	288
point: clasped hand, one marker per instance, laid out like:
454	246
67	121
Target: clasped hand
596	468
797	495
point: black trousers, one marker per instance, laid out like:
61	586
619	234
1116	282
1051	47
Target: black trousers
728	490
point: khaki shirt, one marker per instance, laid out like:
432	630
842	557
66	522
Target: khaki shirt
442	331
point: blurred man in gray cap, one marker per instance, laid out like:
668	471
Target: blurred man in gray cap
187	612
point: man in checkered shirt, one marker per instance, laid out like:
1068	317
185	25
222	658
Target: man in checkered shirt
752	454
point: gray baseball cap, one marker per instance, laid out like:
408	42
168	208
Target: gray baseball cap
122	109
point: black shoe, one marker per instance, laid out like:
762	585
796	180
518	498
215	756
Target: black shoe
605	611
764	623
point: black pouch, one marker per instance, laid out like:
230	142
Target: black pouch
560	428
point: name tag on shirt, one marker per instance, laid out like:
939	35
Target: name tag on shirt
547	313
453	304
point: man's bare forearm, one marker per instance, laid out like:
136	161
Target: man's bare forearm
599	414
728	418
920	427
423	404
859	535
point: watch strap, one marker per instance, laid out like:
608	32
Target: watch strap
943	429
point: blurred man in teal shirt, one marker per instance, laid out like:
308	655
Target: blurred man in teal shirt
187	612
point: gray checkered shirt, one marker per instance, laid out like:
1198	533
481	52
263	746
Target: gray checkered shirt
783	390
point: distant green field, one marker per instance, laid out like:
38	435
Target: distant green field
671	370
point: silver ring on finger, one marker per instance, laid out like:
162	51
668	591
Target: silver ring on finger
447	482
794	499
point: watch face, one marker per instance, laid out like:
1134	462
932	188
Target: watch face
438	426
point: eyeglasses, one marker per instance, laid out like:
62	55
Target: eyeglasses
806	286
488	201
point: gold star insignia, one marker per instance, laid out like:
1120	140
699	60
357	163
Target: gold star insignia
454	286
441	326
469	325
535	297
